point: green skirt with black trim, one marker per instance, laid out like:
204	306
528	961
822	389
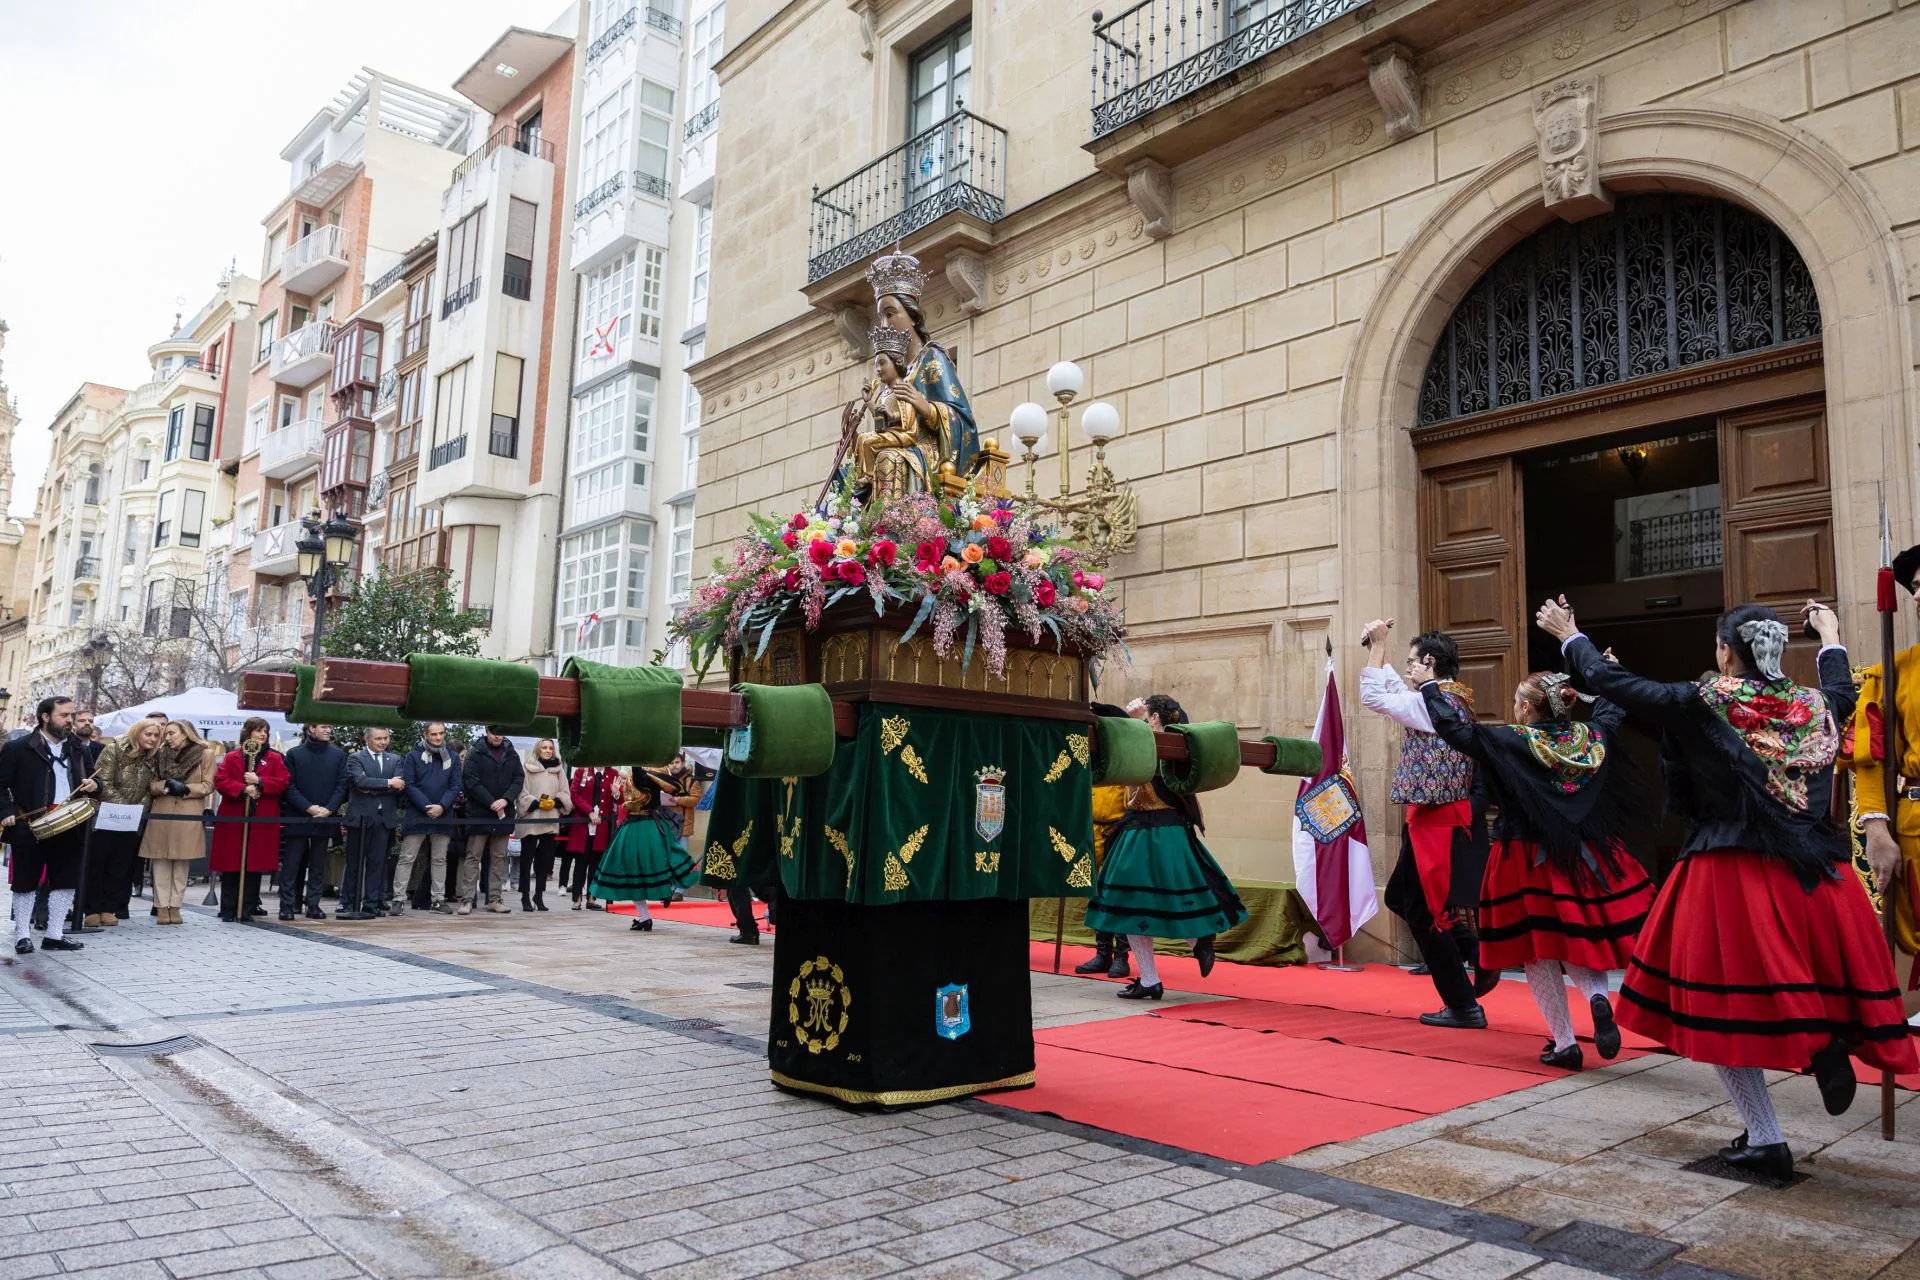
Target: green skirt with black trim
644	863
1159	880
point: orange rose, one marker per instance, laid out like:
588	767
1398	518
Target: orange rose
984	522
972	553
847	549
949	565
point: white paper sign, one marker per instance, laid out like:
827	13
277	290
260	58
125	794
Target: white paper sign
117	817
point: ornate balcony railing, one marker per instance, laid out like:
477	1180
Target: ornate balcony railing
587	203
447	451
661	20
1159	51
507	135
460	297
389	389
86	567
649	185
386	281
1683	542
700	122
958	165
611	36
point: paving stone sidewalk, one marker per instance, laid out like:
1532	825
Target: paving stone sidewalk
461	1101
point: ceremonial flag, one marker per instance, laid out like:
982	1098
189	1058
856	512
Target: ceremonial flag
1331	866
586	628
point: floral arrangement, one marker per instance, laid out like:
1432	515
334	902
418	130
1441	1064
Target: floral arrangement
974	568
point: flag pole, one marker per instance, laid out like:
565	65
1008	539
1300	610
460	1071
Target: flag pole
1339	962
1888	603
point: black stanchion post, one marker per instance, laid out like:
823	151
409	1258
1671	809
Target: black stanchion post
78	913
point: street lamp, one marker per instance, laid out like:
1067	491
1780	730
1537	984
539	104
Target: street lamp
6	698
1104	518
325	553
95	653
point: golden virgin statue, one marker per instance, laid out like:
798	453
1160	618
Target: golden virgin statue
899	449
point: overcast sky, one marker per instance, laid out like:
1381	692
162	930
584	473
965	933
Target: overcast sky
145	151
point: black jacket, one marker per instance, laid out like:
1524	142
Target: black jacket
319	776
1715	777
26	779
487	777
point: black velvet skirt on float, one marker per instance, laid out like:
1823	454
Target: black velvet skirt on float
646	861
1159	880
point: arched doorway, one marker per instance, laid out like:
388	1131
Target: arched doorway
1629	410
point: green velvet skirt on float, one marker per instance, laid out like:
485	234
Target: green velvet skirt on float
645	862
1159	880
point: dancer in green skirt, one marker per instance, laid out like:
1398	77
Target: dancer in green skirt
1158	880
646	859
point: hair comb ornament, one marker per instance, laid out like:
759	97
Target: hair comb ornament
1768	641
896	273
1560	693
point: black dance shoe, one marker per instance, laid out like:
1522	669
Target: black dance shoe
1472	1018
23	946
1137	990
1773	1160
1203	952
1100	963
1569	1058
746	939
642	926
1833	1068
1606	1032
61	944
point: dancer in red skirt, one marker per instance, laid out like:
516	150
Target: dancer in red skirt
1762	949
1561	898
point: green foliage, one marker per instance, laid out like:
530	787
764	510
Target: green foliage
389	616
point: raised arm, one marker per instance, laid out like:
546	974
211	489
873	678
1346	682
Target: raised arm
1460	731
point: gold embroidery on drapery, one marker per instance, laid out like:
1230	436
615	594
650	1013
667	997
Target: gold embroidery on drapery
1081	748
893	732
893	876
1061	845
913	843
987	862
1060	765
719	861
838	839
1081	877
911	758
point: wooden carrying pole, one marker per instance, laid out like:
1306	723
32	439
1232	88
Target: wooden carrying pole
385	684
1889	732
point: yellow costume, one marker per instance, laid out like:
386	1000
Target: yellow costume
1109	806
1869	779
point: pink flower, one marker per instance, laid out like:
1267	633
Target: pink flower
1095	581
1004	515
820	551
798	522
998	548
882	553
1079	578
998	583
1078	604
1043	593
852	574
791	538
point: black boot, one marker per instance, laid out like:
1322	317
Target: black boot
1203	952
1606	1032
526	903
1122	957
540	899
1833	1069
1099	963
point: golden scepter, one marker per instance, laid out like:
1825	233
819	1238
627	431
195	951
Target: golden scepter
251	750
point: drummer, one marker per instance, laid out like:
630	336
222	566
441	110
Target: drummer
38	772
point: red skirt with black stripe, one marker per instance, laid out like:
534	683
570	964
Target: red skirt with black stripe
1531	910
1740	966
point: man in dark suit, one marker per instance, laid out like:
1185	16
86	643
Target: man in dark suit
43	769
492	779
432	774
374	785
318	789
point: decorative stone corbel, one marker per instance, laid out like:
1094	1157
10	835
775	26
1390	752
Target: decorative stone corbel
1150	187
1565	116
869	35
967	273
852	321
1396	85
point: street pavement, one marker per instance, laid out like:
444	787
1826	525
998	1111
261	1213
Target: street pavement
555	1096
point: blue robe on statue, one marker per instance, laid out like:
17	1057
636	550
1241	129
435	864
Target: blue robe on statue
934	377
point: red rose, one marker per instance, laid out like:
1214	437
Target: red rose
882	553
998	548
798	522
1798	713
820	551
1044	593
852	574
998	583
793	580
791	538
1079	578
929	552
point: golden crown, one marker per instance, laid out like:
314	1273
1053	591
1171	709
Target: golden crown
888	340
896	273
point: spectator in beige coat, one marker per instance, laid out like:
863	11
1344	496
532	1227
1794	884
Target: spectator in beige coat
544	795
183	779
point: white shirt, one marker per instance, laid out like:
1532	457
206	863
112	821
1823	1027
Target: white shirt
62	784
1383	691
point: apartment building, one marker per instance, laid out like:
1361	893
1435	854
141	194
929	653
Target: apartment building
395	320
365	178
634	247
493	391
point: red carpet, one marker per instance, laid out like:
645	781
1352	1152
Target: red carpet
691	911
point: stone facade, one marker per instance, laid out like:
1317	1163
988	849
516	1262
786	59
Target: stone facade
1266	352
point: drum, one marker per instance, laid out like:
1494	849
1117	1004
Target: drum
69	815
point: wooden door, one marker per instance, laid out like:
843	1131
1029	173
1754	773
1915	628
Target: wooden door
1473	573
1776	517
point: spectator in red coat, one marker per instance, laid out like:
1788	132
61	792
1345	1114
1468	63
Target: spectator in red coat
263	784
596	797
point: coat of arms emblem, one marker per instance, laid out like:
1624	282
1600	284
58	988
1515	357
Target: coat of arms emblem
951	1016
990	802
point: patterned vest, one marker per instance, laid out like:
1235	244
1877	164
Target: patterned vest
1430	771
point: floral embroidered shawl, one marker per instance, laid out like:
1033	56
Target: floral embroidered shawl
1570	751
1790	729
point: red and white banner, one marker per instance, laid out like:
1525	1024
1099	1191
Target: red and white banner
1331	866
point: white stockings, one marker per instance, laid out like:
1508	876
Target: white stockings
1545	979
1747	1086
1142	947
